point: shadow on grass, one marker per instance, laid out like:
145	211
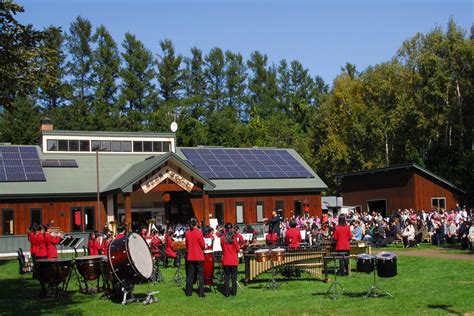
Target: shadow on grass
22	297
444	307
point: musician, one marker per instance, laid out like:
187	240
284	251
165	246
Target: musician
343	236
41	251
195	258
293	235
32	235
274	222
271	238
105	244
170	253
51	240
93	244
240	238
122	232
230	261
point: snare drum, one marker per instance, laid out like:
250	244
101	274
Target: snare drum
89	267
365	263
262	255
278	255
386	264
130	259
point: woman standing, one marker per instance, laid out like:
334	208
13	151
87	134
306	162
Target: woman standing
93	244
195	258
343	236
230	261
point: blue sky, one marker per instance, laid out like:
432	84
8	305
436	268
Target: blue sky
322	35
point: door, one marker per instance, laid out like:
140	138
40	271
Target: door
377	206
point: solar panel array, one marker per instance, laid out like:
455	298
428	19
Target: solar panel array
220	163
20	164
59	163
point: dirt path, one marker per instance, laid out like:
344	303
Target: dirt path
435	253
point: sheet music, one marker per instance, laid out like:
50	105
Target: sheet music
217	245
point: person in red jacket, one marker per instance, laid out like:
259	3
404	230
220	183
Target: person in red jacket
230	261
105	244
343	236
271	238
293	235
122	232
195	258
32	235
40	240
93	244
170	253
51	240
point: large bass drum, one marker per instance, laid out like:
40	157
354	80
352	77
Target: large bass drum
130	259
386	264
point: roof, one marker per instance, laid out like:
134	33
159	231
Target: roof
405	166
108	134
314	184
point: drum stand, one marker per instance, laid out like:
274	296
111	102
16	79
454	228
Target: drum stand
272	283
336	287
178	276
128	291
375	290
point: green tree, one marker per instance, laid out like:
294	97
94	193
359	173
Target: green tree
20	125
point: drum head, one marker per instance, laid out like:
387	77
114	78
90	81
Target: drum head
140	255
384	255
262	251
89	258
278	250
364	256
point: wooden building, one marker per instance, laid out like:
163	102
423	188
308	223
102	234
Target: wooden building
401	186
79	181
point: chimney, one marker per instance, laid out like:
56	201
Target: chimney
46	125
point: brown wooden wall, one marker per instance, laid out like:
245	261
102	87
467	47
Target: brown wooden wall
250	205
427	189
58	211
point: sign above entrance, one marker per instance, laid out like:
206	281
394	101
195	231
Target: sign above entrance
166	173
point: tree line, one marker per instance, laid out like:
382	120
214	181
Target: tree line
415	107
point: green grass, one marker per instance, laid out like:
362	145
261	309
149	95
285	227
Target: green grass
423	286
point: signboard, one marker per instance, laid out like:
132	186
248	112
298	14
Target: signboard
166	173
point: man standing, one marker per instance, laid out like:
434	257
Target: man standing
195	258
274	222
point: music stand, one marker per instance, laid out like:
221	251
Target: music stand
336	287
375	290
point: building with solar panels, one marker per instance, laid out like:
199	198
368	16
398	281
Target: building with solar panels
80	180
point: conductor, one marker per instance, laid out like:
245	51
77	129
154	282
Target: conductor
274	222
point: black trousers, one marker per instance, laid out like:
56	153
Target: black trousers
194	269
230	273
343	263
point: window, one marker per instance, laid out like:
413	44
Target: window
73	145
260	215
439	202
147	146
105	145
219	212
127	146
89	218
116	146
158	146
239	212
298	207
279	205
166	146
8	222
95	144
62	145
137	147
76	219
52	145
35	216
84	145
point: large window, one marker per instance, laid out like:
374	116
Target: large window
279	205
239	212
84	145
219	212
76	219
112	145
260	213
8	223
89	218
439	202
52	145
73	145
35	216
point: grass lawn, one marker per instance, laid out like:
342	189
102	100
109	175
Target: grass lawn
423	286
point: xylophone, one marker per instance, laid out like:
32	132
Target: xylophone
357	247
309	259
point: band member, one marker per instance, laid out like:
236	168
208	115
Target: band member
195	258
122	232
274	222
343	236
105	244
32	235
93	244
230	261
240	238
271	238
51	240
41	251
155	246
170	253
293	235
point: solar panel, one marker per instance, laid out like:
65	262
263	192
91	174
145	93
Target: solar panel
234	163
20	164
59	163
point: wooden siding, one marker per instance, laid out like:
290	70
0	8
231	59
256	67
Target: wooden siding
427	189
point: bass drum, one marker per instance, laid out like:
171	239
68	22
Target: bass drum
130	259
365	263
386	264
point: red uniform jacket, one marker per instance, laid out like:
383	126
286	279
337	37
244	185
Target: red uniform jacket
271	239
41	252
230	252
240	239
195	245
169	251
155	246
33	243
104	247
293	237
119	236
93	245
51	242
342	236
